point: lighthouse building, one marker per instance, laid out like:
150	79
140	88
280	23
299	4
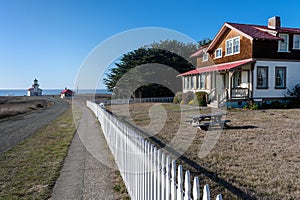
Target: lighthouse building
35	90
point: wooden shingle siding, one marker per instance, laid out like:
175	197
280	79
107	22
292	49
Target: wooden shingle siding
269	49
245	50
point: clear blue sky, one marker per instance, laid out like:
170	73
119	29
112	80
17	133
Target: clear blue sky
49	39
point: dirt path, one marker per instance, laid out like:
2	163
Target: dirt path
13	130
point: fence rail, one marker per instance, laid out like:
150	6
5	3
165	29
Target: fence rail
148	173
136	100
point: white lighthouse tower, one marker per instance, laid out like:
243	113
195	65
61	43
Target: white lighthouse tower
35	90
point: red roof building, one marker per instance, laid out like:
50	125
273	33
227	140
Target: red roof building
66	93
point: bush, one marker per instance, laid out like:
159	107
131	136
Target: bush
200	99
178	97
187	97
191	102
295	96
251	106
273	105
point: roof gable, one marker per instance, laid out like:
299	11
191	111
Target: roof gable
249	31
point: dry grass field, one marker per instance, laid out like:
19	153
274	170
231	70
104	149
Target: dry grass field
11	106
258	157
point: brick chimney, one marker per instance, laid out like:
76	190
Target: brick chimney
274	23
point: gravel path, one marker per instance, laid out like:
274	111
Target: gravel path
15	129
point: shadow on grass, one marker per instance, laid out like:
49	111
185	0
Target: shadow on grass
233	189
241	127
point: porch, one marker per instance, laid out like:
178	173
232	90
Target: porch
223	83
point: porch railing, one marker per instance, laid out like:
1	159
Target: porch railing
222	98
240	92
212	95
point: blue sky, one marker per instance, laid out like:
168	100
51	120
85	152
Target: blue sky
50	39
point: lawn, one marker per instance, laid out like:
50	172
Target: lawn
30	170
257	158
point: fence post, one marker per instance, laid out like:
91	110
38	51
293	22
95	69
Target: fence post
159	174
155	173
206	192
180	182
196	189
219	197
151	171
163	178
187	185
173	181
168	178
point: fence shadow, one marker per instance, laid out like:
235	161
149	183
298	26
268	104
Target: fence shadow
242	127
211	175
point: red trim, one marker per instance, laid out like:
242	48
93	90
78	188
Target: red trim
219	67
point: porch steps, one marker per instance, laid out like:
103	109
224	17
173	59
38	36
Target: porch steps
213	104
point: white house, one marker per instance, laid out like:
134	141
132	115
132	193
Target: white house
247	62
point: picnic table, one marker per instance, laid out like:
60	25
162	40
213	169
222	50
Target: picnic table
204	121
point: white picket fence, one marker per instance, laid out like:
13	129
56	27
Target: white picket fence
136	100
148	173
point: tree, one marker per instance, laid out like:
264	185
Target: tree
149	57
204	41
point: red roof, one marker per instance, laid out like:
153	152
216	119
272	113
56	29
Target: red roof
199	52
66	91
255	31
252	32
219	67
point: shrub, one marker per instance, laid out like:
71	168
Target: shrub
200	99
251	105
273	105
178	97
295	96
191	102
187	97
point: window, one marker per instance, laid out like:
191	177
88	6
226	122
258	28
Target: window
283	46
202	81
236	45
205	57
233	46
262	77
296	42
192	82
228	47
218	53
280	77
237	79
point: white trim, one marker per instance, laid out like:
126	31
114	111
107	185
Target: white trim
220	49
295	35
287	42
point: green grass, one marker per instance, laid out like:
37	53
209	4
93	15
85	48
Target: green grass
30	170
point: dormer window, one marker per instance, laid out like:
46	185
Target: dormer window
205	57
283	46
296	42
218	53
233	46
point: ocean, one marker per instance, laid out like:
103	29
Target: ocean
20	92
